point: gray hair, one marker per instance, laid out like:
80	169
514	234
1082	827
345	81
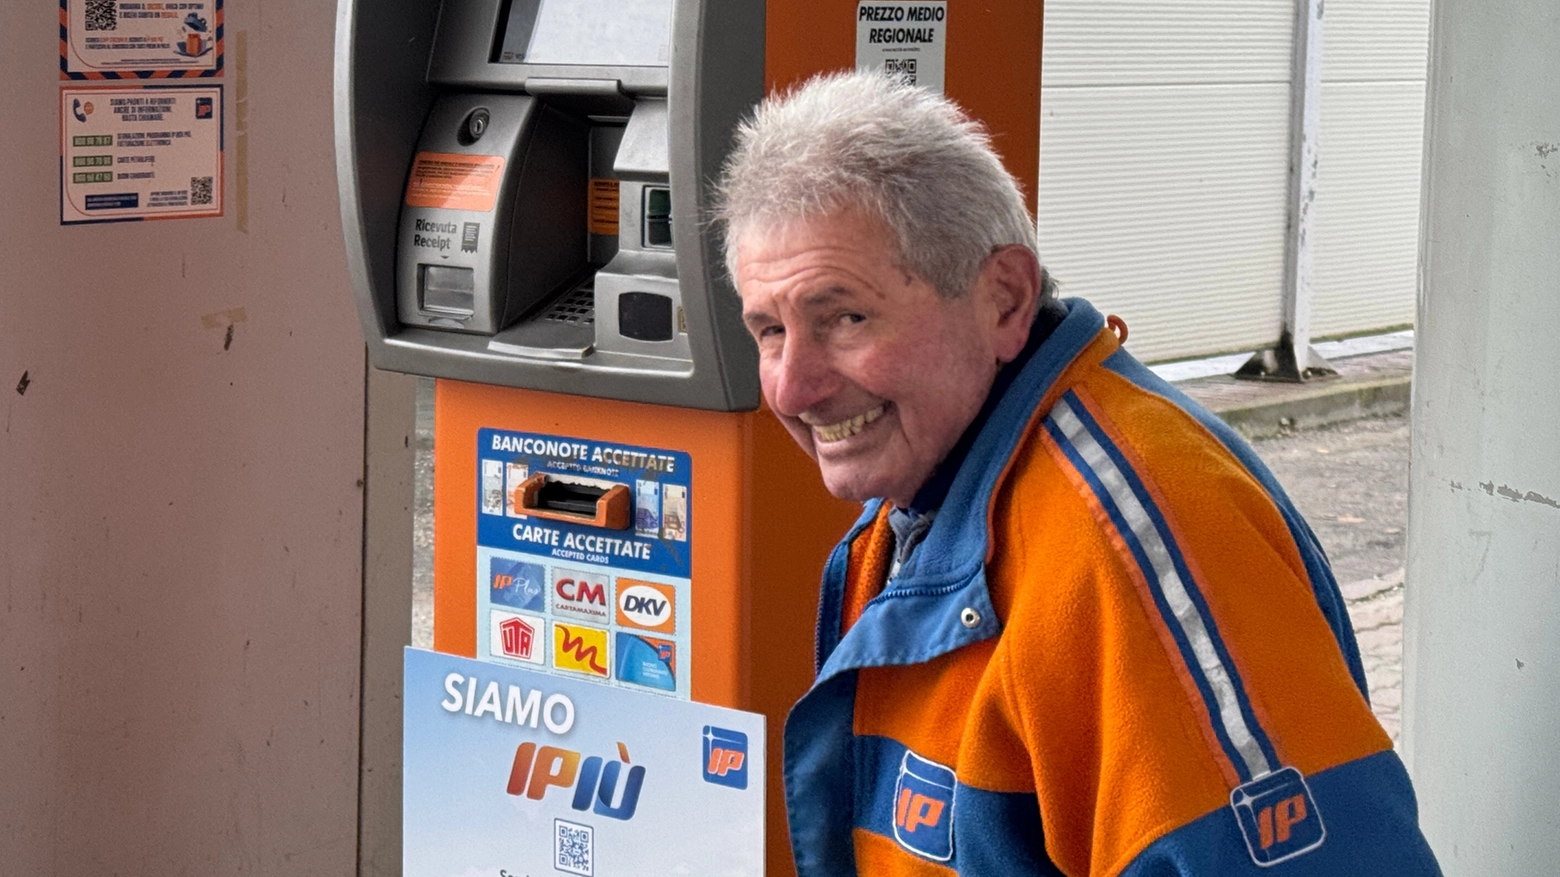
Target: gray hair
861	140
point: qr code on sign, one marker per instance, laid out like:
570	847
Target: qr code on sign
102	14
574	848
200	190
903	68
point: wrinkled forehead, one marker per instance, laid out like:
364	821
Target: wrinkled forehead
759	236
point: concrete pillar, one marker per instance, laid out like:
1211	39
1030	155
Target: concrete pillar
1482	614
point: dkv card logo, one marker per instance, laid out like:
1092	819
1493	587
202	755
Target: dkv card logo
923	808
647	605
516	584
725	757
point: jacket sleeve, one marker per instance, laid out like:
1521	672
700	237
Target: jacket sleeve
1185	706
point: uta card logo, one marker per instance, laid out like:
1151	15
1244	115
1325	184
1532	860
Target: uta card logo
725	757
517	637
580	649
923	808
647	605
1278	816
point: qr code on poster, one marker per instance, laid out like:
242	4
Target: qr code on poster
200	190
574	848
102	14
903	68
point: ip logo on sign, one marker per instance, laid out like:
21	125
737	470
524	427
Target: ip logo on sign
1278	817
923	808
725	757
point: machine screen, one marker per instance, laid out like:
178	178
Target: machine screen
605	33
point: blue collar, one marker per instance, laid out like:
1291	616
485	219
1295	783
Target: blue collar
926	609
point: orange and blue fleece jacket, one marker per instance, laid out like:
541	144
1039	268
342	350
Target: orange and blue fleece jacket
1118	650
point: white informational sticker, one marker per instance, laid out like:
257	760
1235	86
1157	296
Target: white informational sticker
106	38
907	40
140	152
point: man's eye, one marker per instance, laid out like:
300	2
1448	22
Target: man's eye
771	332
851	319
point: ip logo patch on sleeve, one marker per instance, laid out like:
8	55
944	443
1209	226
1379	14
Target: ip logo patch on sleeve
923	808
1278	817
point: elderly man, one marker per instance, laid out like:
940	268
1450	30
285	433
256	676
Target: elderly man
1079	629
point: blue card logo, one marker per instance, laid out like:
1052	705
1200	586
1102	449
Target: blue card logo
646	661
923	808
1278	817
517	584
725	757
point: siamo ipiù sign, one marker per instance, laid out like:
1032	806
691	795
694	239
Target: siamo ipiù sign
509	768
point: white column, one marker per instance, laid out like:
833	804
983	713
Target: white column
1292	358
1482	616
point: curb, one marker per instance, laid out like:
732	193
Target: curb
1308	408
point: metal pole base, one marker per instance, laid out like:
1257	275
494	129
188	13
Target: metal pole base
1280	363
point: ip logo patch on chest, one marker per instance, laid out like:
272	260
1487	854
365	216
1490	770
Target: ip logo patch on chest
923	808
1278	817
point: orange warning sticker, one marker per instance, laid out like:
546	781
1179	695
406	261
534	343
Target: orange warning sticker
604	207
455	182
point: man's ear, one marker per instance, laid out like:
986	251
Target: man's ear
1009	283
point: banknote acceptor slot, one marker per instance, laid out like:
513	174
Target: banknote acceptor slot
605	506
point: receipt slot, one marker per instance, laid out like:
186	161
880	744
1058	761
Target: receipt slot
621	539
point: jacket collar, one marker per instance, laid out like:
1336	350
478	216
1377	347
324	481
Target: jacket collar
939	601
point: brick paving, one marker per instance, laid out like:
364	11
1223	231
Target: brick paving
1376	608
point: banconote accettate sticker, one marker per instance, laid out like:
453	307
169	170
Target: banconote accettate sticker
583	559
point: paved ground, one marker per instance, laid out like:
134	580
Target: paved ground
1349	479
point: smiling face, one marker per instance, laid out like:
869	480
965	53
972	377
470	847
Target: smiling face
873	373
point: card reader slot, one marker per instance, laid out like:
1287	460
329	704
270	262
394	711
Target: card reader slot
546	497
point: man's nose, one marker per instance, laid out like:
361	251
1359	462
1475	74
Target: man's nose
801	378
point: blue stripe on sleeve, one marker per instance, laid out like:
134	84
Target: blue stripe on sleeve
1323	585
1102	495
1177	557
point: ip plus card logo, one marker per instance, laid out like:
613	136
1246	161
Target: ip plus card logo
725	757
517	584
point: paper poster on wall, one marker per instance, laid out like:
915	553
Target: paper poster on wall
905	40
508	771
152	152
584	559
138	39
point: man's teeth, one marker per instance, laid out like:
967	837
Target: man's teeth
834	432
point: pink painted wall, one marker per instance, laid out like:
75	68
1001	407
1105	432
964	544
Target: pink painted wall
181	518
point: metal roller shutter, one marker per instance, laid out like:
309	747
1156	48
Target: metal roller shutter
1364	272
